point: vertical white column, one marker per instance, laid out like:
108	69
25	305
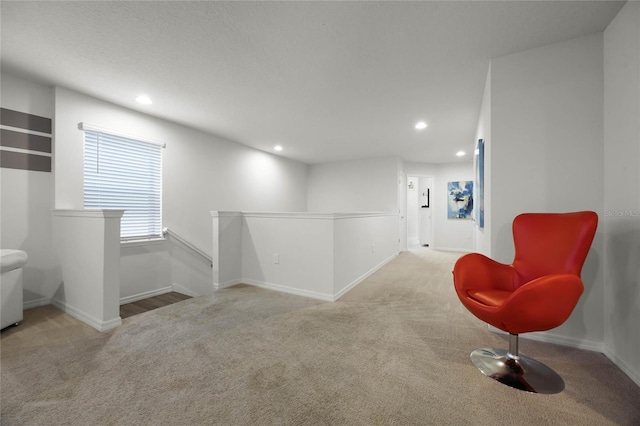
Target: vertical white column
87	246
227	248
215	252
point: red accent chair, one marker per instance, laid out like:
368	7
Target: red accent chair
537	292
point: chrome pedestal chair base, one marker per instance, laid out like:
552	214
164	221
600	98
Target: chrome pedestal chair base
517	371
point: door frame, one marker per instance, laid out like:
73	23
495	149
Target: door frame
406	206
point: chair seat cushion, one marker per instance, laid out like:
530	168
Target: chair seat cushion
490	297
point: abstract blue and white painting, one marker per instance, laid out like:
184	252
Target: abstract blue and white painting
460	205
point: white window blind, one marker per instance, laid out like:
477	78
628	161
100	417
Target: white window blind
124	173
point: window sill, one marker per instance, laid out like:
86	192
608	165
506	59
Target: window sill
146	242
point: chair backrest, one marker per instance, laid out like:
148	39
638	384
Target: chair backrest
552	243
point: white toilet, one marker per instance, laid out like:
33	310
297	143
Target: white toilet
11	263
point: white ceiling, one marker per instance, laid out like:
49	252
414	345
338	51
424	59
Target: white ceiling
327	80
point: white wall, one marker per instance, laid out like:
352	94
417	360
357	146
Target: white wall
482	237
145	270
304	246
546	154
420	169
380	185
368	185
621	221
361	244
201	173
319	255
26	198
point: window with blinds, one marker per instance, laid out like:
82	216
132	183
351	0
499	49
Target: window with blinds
123	173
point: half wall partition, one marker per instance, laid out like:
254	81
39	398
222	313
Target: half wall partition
319	255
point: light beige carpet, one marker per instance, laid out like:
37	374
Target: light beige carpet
393	351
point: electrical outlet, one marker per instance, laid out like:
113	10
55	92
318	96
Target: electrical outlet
276	258
373	248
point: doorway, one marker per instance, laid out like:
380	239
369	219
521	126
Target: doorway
419	211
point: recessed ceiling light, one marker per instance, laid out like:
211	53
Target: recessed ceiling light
460	153
144	100
277	148
421	125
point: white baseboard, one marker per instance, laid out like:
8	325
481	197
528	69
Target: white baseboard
363	277
456	249
157	292
581	344
556	339
146	295
43	301
306	293
96	323
230	283
290	290
622	365
113	323
183	290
